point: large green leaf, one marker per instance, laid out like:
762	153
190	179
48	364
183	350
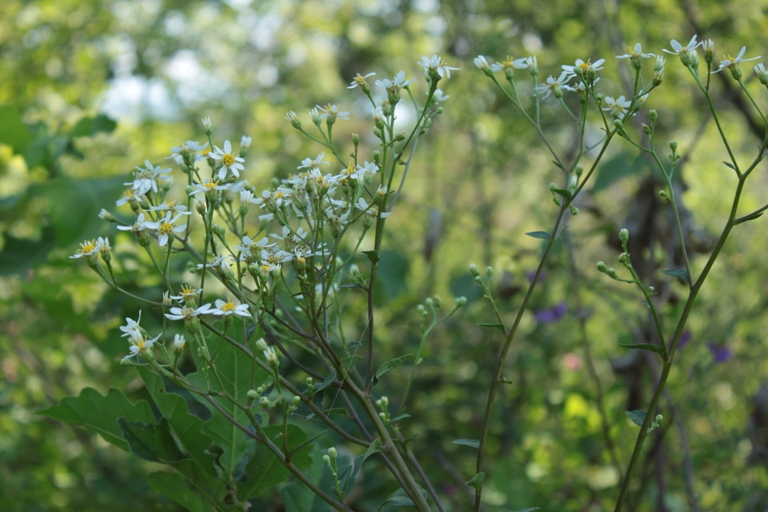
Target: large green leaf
19	255
152	442
100	413
620	166
75	206
13	131
234	369
297	497
200	479
187	427
264	470
173	486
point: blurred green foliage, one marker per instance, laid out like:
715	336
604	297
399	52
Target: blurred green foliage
479	183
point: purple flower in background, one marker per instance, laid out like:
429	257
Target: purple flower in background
685	338
532	273
553	314
720	354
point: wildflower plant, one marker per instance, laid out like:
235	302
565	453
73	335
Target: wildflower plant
253	329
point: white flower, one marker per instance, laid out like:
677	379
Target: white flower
191	147
398	82
332	112
371	210
144	179
207	123
229	308
171	206
139	226
436	65
482	63
359	80
179	342
309	162
87	248
583	69
141	345
438	96
245	143
186	313
509	65
617	107
102	245
292	118
208	186
165	227
636	53
129	196
270	354
683	51
246	197
229	162
730	62
187	293
131	326
761	73
554	85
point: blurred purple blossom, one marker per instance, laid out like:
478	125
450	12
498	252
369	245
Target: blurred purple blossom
685	338
553	314
532	273
720	353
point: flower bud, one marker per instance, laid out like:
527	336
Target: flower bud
459	301
474	270
332	453
252	393
673	145
624	236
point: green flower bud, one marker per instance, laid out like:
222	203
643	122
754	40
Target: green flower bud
624	236
474	270
459	301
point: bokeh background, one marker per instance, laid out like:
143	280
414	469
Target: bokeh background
91	89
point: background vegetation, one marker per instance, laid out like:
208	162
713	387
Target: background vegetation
92	88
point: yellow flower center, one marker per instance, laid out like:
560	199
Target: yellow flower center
228	159
87	246
165	228
187	292
209	185
229	306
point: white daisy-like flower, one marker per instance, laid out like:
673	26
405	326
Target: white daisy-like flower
371	210
191	147
207	123
554	85
166	228
617	107
509	65
140	345
270	354
583	69
438	96
359	80
229	308
229	161
398	82
482	63
187	293
171	206
102	245
636	53
186	313
681	50
137	227
731	62
131	326
145	178
310	162
245	143
129	196
332	112
209	185
761	73
435	64
87	248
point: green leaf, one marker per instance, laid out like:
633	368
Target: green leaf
399	498
637	417
564	193
523	510
152	442
297	497
234	369
75	206
474	443
349	475
19	255
539	234
327	382
373	256
390	365
353	285
622	165
398	418
477	480
206	483
644	346
679	273
100	413
13	131
187	427
493	325
751	216
175	487
729	165
265	470
89	126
